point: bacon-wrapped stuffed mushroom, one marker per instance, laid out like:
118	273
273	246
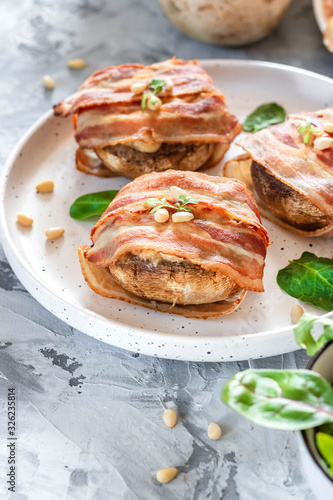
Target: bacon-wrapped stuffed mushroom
133	119
289	168
198	260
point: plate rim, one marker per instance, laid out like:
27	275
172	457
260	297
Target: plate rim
12	253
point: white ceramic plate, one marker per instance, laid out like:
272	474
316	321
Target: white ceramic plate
50	271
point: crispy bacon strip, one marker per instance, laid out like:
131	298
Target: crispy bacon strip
225	235
109	113
87	161
281	150
113	85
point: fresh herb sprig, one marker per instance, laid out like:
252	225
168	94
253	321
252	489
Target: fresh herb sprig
155	86
179	205
308	130
93	204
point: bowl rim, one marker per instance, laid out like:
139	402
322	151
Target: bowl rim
309	366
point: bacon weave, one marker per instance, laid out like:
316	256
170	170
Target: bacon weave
108	113
225	235
281	150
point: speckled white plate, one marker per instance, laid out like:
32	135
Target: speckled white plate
50	271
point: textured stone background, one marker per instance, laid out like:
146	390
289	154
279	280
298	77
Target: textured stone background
89	415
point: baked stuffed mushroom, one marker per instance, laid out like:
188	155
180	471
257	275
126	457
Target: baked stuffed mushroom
139	119
180	242
289	168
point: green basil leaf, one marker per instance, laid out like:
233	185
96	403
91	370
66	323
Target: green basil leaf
325	446
303	335
281	399
264	116
91	204
310	279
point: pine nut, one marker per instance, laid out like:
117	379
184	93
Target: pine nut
54	232
138	87
161	215
48	82
170	417
214	431
166	475
168	84
323	143
24	220
182	217
176	192
328	127
45	187
76	63
296	313
154	103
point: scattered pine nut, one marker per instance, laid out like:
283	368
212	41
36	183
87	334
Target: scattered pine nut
214	431
296	313
323	143
76	63
161	215
24	220
154	103
170	417
48	82
168	84
138	87
328	127
177	191
166	475
54	232
45	187
182	217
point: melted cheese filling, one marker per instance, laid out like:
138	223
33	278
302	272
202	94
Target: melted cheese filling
156	258
145	147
